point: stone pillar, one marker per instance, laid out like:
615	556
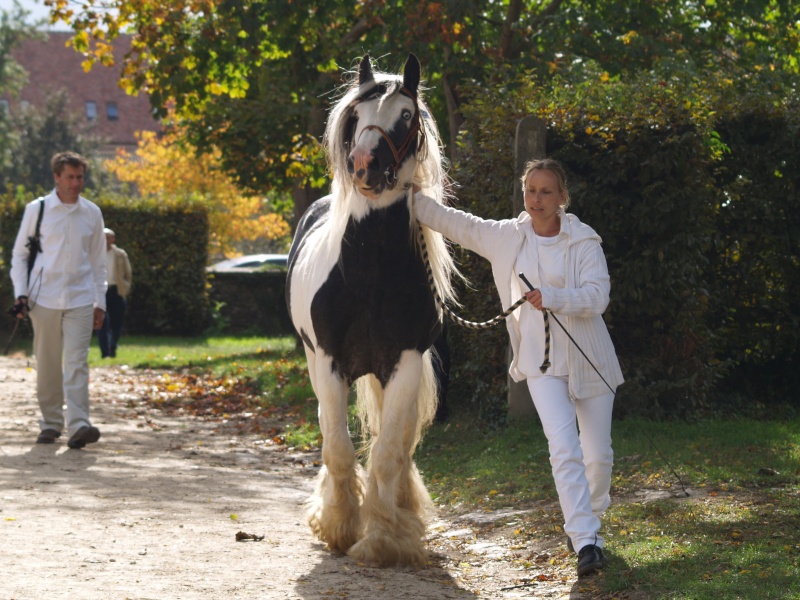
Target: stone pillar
529	143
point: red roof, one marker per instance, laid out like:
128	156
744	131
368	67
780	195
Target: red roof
52	65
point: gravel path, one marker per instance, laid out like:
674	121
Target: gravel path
152	511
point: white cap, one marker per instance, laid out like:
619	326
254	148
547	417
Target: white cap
107	231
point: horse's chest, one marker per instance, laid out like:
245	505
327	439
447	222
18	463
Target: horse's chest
376	301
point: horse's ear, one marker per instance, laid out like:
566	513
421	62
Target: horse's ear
365	71
411	73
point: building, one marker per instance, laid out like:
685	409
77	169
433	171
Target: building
96	95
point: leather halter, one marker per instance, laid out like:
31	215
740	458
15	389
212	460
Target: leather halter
401	152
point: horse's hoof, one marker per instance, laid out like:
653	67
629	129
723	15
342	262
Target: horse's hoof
379	550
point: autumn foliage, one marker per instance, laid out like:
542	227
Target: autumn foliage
167	168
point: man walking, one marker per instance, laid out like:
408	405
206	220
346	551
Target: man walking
120	278
65	294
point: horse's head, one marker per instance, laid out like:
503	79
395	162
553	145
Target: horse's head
382	131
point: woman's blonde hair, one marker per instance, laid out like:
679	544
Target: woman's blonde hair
552	165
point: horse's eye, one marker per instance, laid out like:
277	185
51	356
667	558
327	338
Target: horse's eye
406	114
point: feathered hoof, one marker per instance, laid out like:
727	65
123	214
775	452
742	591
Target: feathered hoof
333	512
337	534
379	549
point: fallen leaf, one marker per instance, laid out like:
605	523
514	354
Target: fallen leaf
241	536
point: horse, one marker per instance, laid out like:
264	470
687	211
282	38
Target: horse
361	301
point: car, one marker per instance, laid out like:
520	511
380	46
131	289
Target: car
252	262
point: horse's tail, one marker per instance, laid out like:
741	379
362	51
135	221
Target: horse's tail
369	405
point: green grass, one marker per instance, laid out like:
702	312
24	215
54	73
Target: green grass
737	534
217	355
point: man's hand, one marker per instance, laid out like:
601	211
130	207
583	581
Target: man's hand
21	307
99	317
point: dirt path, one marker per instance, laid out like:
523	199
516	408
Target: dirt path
153	509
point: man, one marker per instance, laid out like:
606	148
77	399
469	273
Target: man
65	295
119	278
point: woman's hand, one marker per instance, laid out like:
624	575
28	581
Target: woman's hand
535	298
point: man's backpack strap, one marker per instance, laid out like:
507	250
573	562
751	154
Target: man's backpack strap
33	241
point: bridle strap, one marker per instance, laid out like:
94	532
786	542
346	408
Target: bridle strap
399	153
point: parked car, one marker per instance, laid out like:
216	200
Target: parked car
252	262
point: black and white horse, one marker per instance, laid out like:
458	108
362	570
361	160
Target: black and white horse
359	297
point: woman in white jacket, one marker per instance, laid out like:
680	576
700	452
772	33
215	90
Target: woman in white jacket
563	260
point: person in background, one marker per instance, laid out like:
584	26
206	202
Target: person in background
65	296
563	259
120	279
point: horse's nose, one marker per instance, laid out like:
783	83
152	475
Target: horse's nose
359	163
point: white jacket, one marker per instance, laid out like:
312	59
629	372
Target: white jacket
579	305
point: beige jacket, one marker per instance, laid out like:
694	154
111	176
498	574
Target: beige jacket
122	271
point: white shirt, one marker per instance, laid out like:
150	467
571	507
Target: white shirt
542	261
71	269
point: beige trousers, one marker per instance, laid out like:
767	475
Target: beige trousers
61	341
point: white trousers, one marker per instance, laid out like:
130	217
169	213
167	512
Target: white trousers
581	462
61	341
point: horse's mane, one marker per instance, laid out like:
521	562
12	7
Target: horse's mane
430	175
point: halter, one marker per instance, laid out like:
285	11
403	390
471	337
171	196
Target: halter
399	153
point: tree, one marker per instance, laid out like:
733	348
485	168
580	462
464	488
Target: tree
168	168
38	135
12	31
254	77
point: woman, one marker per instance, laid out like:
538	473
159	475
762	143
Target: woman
562	258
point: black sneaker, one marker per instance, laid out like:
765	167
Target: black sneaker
590	559
570	547
48	436
84	435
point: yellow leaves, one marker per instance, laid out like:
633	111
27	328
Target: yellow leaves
629	37
169	168
80	41
218	89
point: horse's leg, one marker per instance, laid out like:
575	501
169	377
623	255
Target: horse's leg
396	497
333	509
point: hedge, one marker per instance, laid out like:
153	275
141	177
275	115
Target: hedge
696	200
250	303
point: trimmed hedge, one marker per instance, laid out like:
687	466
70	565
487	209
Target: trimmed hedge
696	199
167	247
250	303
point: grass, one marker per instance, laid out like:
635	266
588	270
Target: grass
737	535
734	536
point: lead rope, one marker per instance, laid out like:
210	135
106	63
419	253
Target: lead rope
463	322
486	324
500	317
